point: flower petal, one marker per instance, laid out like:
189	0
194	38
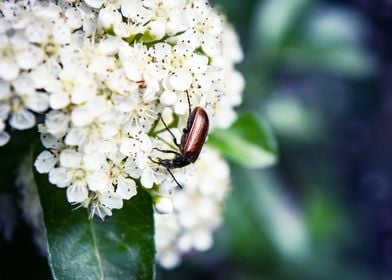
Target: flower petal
168	98
8	69
45	162
111	200
30	57
56	123
22	120
50	142
4	138
181	80
23	85
77	192
126	188
94	161
147	178
58	100
60	177
163	205
70	158
98	181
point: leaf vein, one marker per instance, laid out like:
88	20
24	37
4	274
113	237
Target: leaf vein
96	250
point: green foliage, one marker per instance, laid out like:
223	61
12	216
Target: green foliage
329	40
275	21
248	142
121	247
281	223
11	155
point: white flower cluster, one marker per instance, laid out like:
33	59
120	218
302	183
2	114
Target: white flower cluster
100	72
197	210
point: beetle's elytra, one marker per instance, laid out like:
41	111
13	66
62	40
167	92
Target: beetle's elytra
192	141
195	134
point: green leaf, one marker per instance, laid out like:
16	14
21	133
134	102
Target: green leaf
11	155
249	142
343	61
121	247
131	37
321	44
275	19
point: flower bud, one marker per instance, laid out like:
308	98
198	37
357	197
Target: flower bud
163	205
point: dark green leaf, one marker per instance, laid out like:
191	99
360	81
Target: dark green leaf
11	155
121	247
249	142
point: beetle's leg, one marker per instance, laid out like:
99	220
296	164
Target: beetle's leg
189	103
174	178
171	133
155	161
167	151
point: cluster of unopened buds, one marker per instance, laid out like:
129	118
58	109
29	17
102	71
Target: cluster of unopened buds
100	74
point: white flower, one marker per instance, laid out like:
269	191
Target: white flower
74	18
60	177
111	200
77	87
57	123
140	118
77	192
196	210
18	103
99	73
16	54
120	178
22	119
49	141
205	30
79	173
8	69
95	3
88	112
45	162
180	80
109	17
168	98
135	11
163	205
45	75
96	208
70	158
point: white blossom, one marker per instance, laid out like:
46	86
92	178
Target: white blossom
99	73
163	205
196	209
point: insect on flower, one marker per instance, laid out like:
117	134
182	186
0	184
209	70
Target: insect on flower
192	141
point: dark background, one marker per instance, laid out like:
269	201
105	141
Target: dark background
321	73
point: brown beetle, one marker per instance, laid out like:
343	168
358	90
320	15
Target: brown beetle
192	141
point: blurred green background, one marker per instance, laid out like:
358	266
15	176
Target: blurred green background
320	73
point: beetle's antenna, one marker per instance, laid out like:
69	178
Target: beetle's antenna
189	103
171	133
174	178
